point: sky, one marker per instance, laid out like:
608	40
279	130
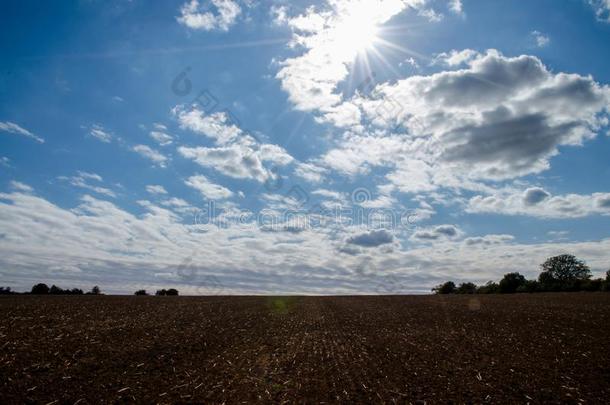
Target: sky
303	147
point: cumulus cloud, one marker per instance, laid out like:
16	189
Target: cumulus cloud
535	195
99	133
541	40
435	233
456	6
147	152
498	118
455	58
161	138
194	16
488	240
208	189
310	172
238	154
156	189
12	128
540	203
372	238
122	251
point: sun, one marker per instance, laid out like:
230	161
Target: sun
356	32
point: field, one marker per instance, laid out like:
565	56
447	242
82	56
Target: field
496	349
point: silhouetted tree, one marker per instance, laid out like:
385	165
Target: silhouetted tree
563	272
161	292
510	283
141	292
95	291
76	291
445	288
530	286
5	291
40	289
467	288
172	291
55	290
596	284
490	287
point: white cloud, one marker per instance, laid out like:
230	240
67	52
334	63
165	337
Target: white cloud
238	154
13	128
21	187
208	189
310	172
98	132
540	39
156	189
151	154
456	58
327	38
82	180
601	8
439	232
216	126
456	6
194	16
4	161
161	138
499	118
538	202
122	252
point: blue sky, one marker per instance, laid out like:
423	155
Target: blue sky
338	146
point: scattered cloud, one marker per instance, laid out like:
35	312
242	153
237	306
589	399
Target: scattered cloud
83	179
456	7
238	154
12	128
195	16
538	202
310	172
147	152
499	118
373	238
99	133
161	138
208	189
443	232
156	189
540	39
601	8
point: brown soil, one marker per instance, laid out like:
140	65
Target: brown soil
540	348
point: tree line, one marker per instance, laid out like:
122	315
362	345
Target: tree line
559	273
43	289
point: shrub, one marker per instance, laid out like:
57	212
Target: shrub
141	292
40	289
510	283
445	288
